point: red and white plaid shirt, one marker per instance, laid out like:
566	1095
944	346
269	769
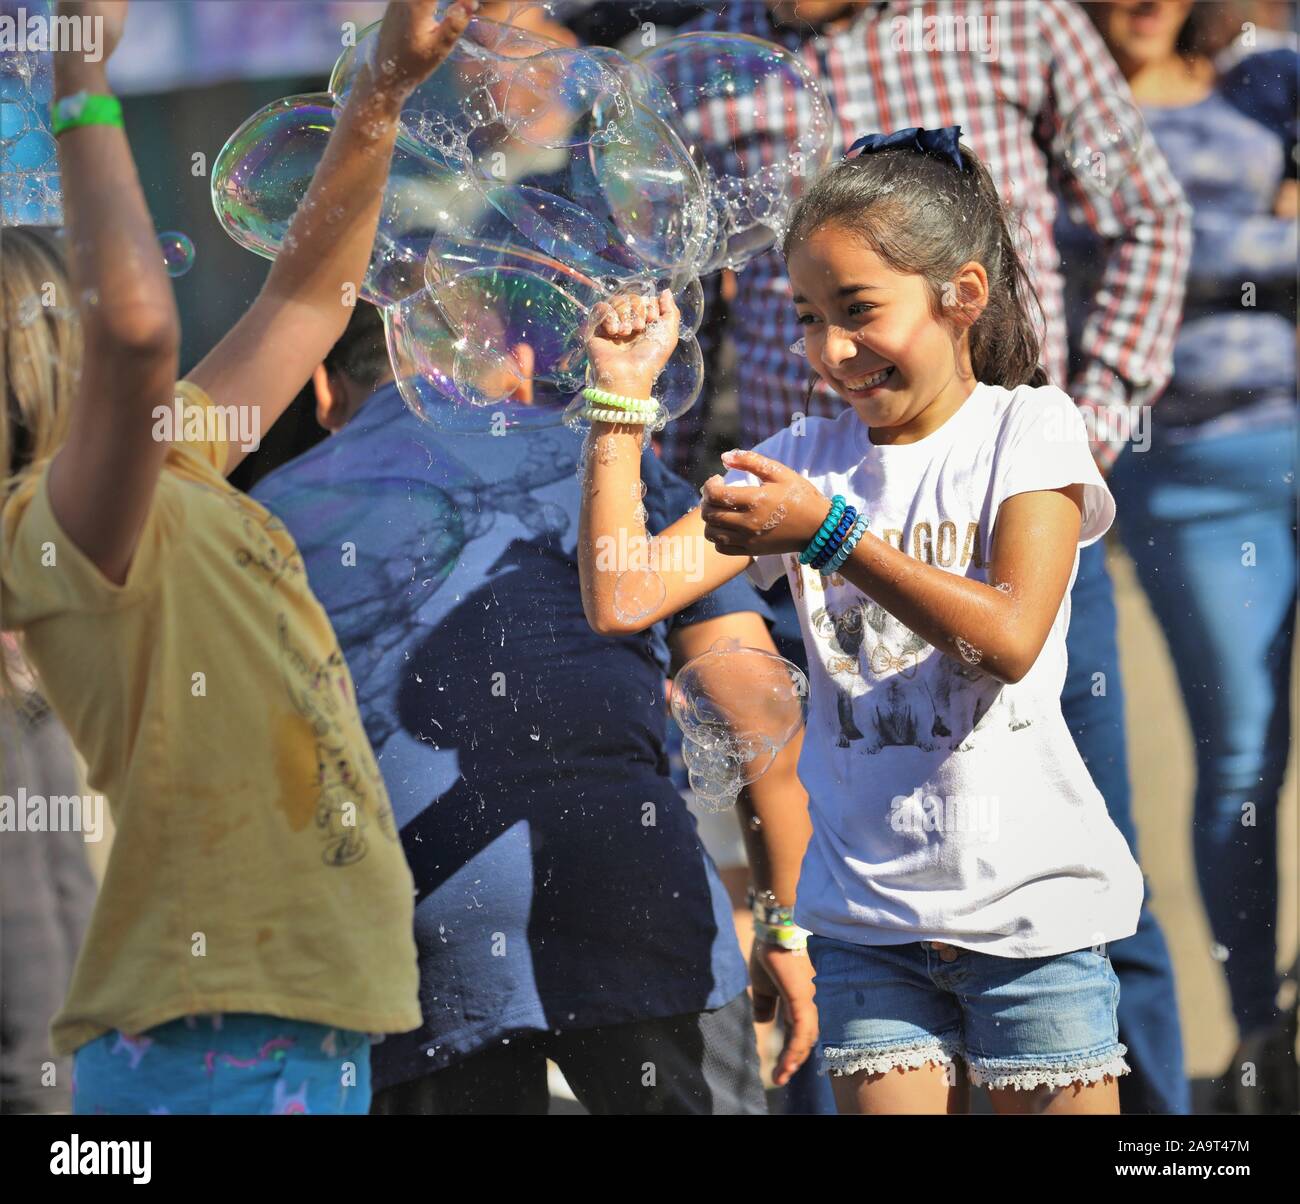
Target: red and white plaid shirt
1045	61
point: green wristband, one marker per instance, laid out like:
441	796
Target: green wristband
83	108
617	401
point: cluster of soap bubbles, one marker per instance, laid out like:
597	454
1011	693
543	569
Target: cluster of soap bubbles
1104	138
29	160
737	708
530	182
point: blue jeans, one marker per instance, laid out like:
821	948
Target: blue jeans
1148	1006
1211	527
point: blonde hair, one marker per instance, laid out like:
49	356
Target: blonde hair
40	350
40	361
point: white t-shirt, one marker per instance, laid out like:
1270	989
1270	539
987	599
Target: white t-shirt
947	805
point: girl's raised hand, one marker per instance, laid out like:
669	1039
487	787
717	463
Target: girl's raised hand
411	44
631	339
111	15
781	514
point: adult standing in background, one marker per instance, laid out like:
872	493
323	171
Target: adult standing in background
1208	510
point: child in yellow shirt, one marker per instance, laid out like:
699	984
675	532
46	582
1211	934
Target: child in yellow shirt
255	922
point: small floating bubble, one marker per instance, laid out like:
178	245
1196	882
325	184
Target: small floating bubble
177	251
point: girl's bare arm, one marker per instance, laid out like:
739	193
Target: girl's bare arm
102	480
1001	627
305	303
630	581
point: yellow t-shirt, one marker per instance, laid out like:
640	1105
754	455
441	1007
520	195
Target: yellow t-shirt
257	866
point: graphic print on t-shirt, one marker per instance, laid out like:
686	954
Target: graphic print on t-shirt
890	690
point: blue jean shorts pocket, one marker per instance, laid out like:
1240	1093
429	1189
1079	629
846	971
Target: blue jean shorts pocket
877	1009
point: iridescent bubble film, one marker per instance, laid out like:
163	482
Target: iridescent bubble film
1104	139
29	161
177	252
530	181
737	708
720	84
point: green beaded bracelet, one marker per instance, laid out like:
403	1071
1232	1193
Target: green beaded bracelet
616	401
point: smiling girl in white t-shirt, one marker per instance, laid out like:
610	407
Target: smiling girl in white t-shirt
963	875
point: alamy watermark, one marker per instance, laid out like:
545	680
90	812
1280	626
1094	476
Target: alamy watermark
1105	424
181	423
25	812
967	33
973	814
27	33
629	552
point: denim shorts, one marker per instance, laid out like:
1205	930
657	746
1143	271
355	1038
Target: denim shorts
233	1063
1015	1022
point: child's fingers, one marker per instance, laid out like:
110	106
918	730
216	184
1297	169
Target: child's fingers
725	541
606	316
729	522
717	494
760	466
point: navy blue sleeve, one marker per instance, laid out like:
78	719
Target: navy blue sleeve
1266	87
667	498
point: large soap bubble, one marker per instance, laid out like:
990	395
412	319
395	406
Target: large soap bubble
29	160
555	138
498	81
464	347
529	182
262	174
737	708
496	299
727	92
499	309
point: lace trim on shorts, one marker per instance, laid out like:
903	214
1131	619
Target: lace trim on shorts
851	1060
1027	1077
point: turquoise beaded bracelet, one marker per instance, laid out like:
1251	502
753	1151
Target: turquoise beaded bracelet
851	541
835	539
824	531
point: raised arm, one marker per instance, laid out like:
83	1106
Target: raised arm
102	480
630	581
303	307
1127	343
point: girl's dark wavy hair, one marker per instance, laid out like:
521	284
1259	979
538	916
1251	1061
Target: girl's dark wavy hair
922	216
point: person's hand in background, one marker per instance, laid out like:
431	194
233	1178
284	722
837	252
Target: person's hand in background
1287	202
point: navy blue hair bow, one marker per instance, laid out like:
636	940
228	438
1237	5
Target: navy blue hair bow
936	142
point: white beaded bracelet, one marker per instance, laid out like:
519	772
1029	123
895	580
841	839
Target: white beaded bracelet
628	417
